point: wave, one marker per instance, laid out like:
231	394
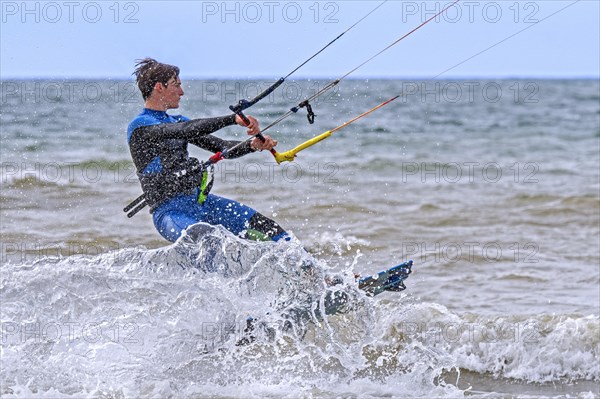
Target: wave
213	313
557	203
30	182
22	175
536	348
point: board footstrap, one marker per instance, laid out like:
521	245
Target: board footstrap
391	279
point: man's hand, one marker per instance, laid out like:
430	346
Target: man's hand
253	126
253	129
259	145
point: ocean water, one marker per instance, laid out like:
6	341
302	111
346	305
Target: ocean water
492	187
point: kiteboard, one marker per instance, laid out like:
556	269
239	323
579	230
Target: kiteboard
336	302
391	279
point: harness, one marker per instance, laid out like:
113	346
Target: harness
167	184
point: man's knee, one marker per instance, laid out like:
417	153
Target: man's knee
265	226
172	224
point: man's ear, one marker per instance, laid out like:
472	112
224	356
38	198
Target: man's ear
158	87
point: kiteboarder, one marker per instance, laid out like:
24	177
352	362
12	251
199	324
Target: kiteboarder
176	186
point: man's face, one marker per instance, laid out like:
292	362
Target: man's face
171	93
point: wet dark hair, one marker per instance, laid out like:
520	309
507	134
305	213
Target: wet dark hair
148	72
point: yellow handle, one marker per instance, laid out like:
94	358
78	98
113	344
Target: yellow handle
288	156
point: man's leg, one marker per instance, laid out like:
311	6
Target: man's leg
171	224
239	218
261	228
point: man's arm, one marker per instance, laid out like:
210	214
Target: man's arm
189	131
215	144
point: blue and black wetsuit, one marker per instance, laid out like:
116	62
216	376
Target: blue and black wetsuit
171	178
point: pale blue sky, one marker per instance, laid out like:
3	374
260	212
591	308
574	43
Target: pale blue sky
267	39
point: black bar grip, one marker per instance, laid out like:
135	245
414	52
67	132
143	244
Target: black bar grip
244	104
241	114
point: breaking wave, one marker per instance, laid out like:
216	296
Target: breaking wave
215	315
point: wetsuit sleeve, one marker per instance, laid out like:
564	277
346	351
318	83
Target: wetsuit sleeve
189	131
215	144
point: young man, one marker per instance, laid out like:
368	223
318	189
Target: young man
174	183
